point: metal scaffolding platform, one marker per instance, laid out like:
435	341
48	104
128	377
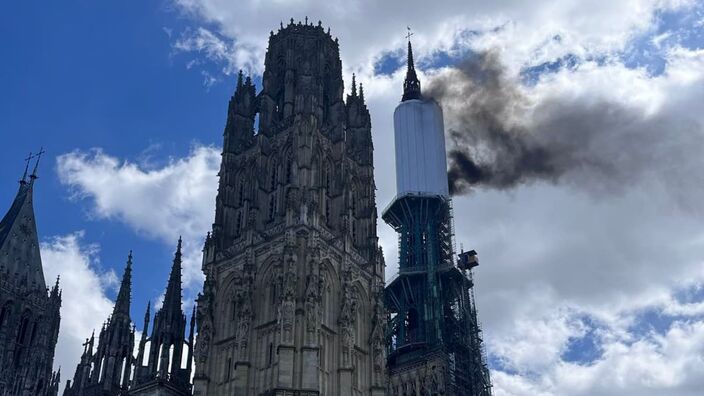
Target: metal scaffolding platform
433	318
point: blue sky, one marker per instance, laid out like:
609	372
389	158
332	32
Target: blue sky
75	81
572	279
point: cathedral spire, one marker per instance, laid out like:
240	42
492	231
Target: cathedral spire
411	86
19	242
122	305
172	298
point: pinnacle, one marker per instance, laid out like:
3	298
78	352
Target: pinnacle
172	298
354	85
122	305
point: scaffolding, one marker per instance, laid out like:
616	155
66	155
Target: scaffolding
431	301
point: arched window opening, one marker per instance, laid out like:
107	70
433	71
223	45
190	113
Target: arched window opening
158	358
123	370
171	359
255	125
147	350
184	356
102	370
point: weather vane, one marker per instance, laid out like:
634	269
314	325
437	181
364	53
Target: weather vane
408	36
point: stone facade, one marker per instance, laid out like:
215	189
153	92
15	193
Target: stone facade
292	303
29	312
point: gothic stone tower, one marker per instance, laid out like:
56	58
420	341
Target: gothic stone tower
292	301
29	312
435	345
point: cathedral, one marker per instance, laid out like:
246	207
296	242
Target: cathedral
294	300
293	297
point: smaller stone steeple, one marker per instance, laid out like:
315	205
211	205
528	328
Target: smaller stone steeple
411	86
163	373
122	305
29	311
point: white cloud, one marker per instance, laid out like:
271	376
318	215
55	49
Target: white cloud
660	364
162	203
84	304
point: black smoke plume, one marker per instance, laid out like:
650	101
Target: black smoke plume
500	137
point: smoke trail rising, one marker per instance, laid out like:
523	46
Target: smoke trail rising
501	136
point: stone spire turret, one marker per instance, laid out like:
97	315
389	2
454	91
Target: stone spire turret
172	297
122	304
411	86
167	339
